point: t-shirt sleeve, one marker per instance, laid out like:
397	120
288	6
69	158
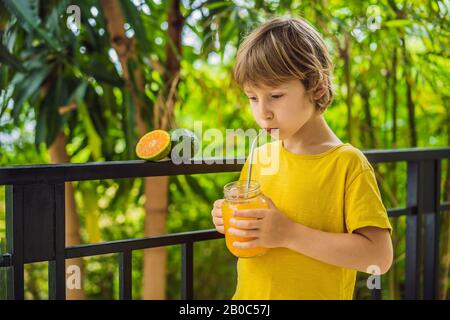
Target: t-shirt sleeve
363	204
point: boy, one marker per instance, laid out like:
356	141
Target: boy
326	219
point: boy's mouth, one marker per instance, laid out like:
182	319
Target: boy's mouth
269	130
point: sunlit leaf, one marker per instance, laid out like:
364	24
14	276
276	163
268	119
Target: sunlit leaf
397	23
95	142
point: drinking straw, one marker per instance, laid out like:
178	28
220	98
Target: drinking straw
250	162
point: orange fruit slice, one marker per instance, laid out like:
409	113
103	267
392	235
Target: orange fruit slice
154	145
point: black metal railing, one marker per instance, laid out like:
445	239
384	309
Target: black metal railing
35	219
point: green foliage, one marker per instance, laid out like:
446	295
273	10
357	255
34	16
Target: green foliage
27	13
44	66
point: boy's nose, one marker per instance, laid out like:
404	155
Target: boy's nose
266	120
266	114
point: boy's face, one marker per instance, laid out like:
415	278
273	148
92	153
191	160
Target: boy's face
286	108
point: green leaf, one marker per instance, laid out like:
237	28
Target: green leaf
122	195
7	58
28	88
25	12
49	120
95	143
41	127
6	92
102	74
76	96
134	18
196	188
83	144
53	101
54	21
398	23
79	93
90	207
178	184
130	125
215	6
22	9
96	113
147	111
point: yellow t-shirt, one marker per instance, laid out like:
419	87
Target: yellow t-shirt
334	191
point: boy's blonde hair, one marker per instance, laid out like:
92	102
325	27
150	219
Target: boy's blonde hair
283	49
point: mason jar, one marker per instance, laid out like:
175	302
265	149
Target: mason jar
237	197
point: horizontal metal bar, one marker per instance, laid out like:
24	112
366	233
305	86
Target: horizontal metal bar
406	154
164	240
5	260
397	212
113	170
169	239
142	243
444	206
140	168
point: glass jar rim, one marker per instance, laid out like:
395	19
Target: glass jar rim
241	187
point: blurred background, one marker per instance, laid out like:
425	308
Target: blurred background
82	81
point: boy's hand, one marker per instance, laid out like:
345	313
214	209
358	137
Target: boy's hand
216	213
270	228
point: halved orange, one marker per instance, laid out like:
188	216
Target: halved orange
154	145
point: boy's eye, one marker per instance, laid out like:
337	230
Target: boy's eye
276	96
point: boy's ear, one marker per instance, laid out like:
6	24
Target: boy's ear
321	90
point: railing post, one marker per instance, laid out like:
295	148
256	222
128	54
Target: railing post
422	230
377	293
412	279
125	275
187	273
35	232
15	240
57	267
429	195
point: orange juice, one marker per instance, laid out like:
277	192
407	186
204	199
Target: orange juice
237	197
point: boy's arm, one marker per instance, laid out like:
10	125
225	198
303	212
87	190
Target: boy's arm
365	247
